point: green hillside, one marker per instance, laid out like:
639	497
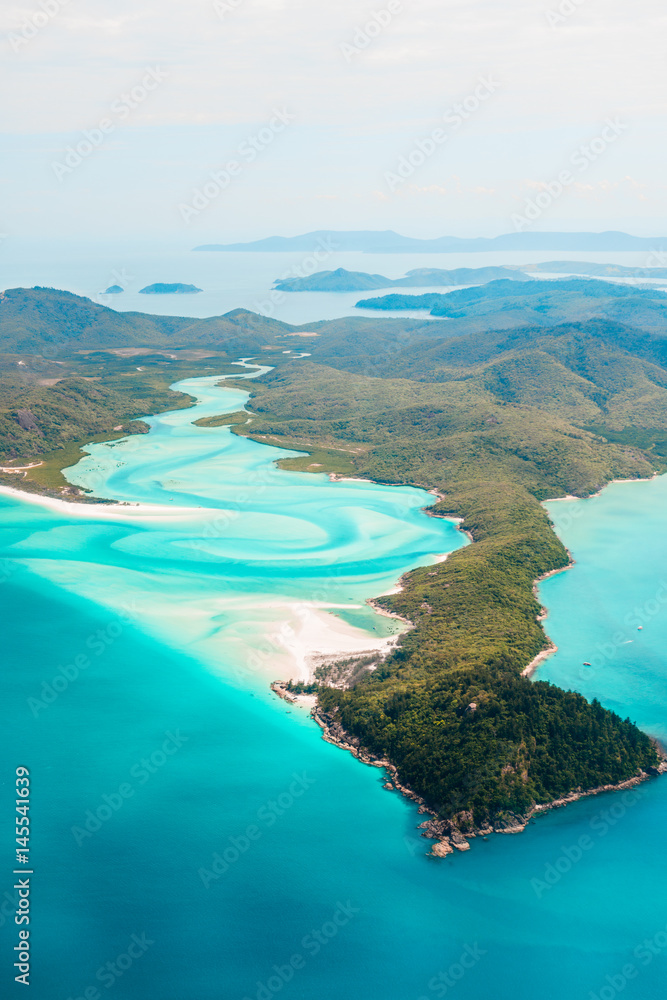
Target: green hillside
494	419
35	320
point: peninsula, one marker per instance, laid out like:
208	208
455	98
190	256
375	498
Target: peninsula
341	280
536	389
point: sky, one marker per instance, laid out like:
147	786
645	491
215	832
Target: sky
225	120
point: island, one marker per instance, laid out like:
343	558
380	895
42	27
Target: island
341	280
526	390
173	289
388	241
595	270
113	290
505	304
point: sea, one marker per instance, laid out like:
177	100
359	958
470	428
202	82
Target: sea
234	280
191	836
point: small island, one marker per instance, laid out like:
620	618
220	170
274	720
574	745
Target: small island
113	290
173	289
341	280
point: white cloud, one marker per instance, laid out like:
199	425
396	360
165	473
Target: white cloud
226	73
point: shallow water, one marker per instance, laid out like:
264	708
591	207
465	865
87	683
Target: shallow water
251	858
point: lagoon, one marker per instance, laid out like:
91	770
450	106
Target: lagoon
176	801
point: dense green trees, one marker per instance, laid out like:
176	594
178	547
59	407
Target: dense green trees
491	459
495	410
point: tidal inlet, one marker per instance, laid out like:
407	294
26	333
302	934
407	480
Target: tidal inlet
333	501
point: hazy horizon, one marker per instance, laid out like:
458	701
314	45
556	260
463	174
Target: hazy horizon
120	114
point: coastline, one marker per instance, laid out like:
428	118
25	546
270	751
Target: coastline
447	835
97	508
551	648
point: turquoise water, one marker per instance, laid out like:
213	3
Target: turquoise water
176	800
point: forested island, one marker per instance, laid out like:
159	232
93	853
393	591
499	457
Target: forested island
504	304
176	288
341	280
529	392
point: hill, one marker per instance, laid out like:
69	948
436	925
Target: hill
176	288
494	420
35	320
390	242
494	424
594	270
505	304
341	280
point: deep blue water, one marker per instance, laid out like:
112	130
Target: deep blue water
248	857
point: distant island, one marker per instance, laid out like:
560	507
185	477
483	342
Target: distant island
174	289
535	303
370	241
113	290
341	280
595	270
522	390
421	277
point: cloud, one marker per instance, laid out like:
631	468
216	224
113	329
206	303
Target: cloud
230	62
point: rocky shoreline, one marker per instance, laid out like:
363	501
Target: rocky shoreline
447	834
454	834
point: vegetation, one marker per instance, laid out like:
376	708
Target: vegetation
506	304
493	447
55	324
175	288
537	389
222	419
